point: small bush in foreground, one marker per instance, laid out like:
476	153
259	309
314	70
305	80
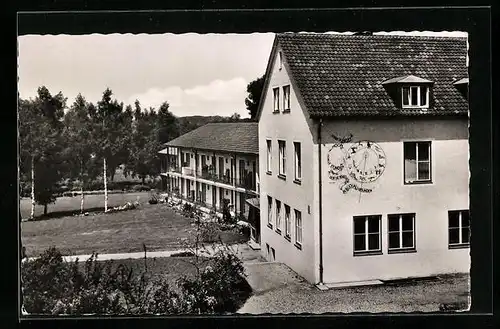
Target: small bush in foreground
53	286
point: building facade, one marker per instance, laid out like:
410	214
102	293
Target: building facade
372	182
216	162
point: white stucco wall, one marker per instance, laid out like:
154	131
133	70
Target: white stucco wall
430	202
292	127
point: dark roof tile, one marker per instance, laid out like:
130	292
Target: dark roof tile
239	137
342	75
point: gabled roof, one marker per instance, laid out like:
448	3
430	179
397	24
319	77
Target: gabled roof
343	75
407	79
237	137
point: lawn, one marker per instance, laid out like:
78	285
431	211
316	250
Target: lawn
157	226
68	204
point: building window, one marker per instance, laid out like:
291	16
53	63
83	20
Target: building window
298	227
278	216
280	55
401	230
269	211
415	96
282	157
298	161
288	222
269	155
286	98
367	235
417	162
276	93
458	228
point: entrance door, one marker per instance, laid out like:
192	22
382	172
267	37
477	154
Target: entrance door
203	192
221	167
214	196
242	203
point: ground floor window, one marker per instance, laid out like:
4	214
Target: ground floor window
367	237
458	228
288	223
269	211
298	227
401	231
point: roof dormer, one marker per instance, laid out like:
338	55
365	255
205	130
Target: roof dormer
410	91
463	86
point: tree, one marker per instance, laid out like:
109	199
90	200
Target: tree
107	119
168	125
254	90
39	138
79	145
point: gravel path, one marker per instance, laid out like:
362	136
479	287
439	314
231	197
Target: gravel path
277	289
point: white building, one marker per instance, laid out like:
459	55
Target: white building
215	162
363	145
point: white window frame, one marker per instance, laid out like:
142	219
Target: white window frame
418	89
269	211
367	234
417	162
288	222
297	160
282	158
269	147
460	243
278	215
400	248
286	98
298	227
276	95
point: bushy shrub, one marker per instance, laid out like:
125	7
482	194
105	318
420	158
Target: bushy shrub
209	232
154	198
220	287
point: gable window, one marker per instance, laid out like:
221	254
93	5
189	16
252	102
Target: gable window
297	161
415	96
282	158
458	229
269	211
401	230
278	216
417	162
280	55
367	237
276	93
286	98
298	227
269	156
288	223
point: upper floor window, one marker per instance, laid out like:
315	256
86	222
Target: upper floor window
276	93
286	98
298	161
269	155
282	158
417	162
415	96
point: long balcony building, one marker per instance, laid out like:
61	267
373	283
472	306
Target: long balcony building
215	162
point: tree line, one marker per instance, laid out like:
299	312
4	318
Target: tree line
78	143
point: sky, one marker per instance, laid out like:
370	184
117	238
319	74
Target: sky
197	74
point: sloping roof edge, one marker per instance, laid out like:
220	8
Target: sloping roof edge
407	79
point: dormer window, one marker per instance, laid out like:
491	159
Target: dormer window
463	86
415	96
409	91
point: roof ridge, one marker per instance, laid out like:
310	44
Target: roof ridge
397	36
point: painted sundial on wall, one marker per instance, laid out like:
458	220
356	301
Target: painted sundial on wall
356	165
365	161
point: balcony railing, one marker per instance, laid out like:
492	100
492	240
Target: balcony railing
171	168
247	182
187	171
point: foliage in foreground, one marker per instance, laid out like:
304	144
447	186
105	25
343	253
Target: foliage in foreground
54	286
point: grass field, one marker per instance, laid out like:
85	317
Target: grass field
157	226
69	204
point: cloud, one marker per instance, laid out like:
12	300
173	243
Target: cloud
219	97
